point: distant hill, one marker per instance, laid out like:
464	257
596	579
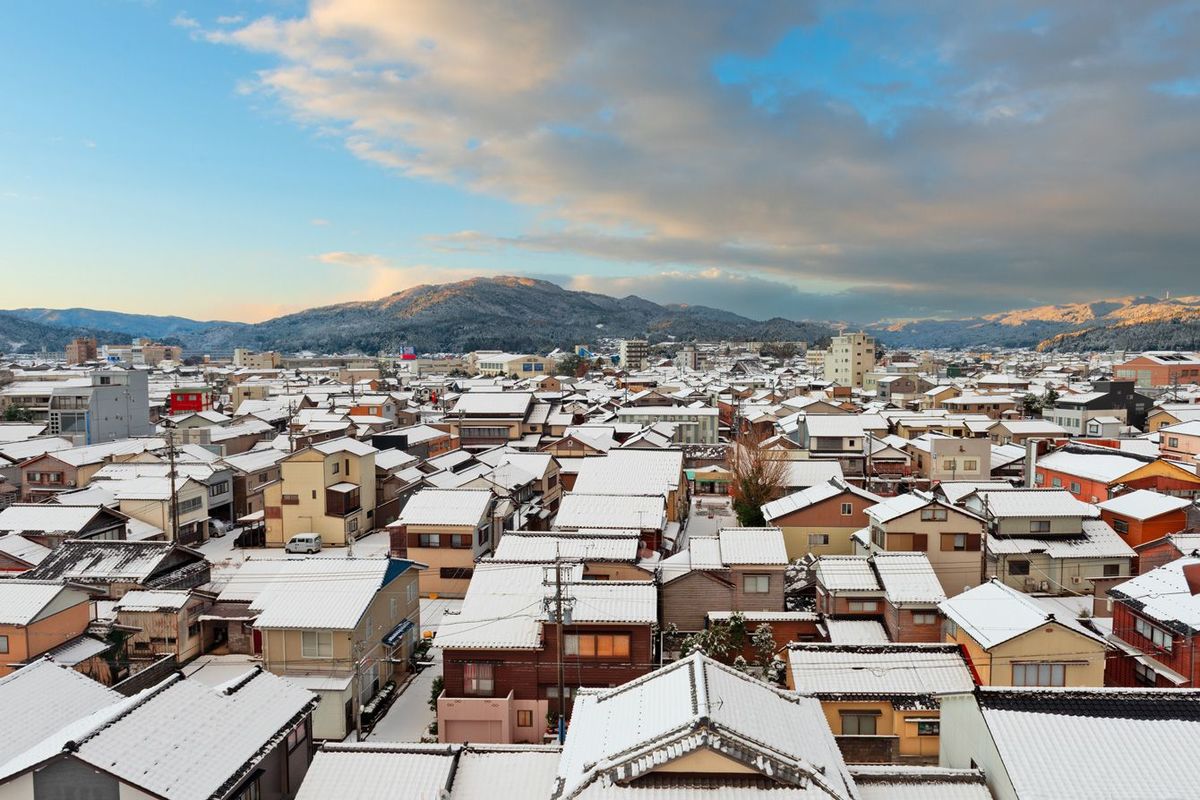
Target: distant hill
1134	323
504	312
523	314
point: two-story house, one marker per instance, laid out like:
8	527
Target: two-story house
900	589
327	488
821	518
449	530
950	536
1156	625
501	651
1143	516
36	616
739	569
341	628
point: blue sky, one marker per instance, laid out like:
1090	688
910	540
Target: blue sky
244	159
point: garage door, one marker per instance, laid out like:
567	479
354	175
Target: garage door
460	730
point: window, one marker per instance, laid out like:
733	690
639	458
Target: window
393	605
847	509
336	468
218	489
251	791
1172	441
929	727
524	718
924	618
949	464
1039	674
597	645
552	691
1144	675
816	539
479	679
933	515
1056	483
190	505
481	536
858	724
3	644
316	644
1039	479
1018	567
864	605
1120	526
756	584
1112	570
456	573
429	540
410	593
461	540
970	465
297	735
1161	639
1039	526
1075	487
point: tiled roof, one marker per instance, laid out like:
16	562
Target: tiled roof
878	670
445	507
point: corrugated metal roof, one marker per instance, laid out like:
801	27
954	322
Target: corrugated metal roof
889	669
855	631
22	600
752	546
374	771
47	517
1035	503
319	593
446	507
846	574
642	512
631	472
518	546
907	577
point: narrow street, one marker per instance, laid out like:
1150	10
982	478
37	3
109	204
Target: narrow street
409	717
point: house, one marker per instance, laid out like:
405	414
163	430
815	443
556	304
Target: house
327	488
480	420
899	589
1155	622
821	518
834	437
1142	516
1087	472
993	406
1046	540
341	628
881	701
1012	640
1074	744
37	616
1155	553
739	569
1165	477
113	568
161	622
950	536
1019	431
248	738
449	530
1114	400
251	472
684	729
1181	442
948	458
19	554
490	362
500	651
693	424
644	513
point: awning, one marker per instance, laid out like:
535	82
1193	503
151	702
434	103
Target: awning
257	516
393	636
1166	672
343	487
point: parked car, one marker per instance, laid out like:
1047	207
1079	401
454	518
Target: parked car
304	543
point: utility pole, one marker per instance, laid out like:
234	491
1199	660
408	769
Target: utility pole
558	617
174	487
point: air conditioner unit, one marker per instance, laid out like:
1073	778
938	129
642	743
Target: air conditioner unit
1030	584
1044	586
1075	579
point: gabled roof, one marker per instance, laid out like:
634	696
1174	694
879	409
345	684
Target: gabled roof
323	593
105	560
893	507
696	705
22	601
993	613
51	517
1019	503
445	507
811	496
631	472
1165	593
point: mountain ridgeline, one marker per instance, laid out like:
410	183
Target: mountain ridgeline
523	314
519	314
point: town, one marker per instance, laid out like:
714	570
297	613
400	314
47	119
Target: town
661	569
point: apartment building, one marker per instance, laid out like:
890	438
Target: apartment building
849	358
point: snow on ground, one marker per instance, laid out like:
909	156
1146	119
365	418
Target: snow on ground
409	717
225	557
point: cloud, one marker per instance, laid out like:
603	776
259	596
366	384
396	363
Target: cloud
230	20
1011	147
318	222
182	20
370	275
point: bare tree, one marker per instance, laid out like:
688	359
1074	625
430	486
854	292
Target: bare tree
759	475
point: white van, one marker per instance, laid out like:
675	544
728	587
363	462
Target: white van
304	543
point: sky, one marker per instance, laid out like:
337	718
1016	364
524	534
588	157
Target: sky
240	159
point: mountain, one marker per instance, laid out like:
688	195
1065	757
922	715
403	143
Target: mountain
134	325
518	314
1135	322
18	334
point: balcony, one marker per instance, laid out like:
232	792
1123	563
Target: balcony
342	499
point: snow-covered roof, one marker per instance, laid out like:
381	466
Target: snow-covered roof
1104	467
47	517
1141	504
153	600
1096	540
693	705
483	404
752	546
1085	743
1018	503
100	559
643	512
993	613
835	426
846	574
322	593
893	507
811	472
43	697
543	547
345	444
1165	593
878	670
631	472
855	631
445	507
811	496
907	577
22	601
